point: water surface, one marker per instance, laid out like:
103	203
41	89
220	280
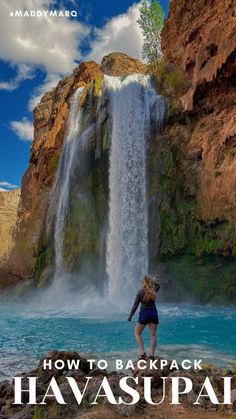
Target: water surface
185	331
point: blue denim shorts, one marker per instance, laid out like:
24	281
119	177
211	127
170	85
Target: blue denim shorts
149	315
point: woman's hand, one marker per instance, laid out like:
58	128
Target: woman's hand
129	319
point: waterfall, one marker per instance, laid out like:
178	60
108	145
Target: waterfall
134	104
133	108
74	150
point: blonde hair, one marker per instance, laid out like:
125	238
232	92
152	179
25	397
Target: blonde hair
149	286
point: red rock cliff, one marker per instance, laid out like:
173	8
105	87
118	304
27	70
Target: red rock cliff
9	201
200	38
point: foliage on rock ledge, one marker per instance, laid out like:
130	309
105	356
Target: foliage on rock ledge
53	164
96	86
208	279
81	231
199	257
87	216
173	182
171	83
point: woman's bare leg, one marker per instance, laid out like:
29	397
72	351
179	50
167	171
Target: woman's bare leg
138	335
153	334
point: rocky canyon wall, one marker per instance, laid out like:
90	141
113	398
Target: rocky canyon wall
191	165
9	202
200	38
199	223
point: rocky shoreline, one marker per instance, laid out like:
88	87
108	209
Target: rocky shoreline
103	409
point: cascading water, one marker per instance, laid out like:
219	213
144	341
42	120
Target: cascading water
63	178
134	105
74	148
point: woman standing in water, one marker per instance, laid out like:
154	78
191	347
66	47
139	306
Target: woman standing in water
147	315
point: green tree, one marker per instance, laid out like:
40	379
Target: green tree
151	21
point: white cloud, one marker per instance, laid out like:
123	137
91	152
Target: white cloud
24	129
53	45
24	72
122	33
43	42
7	185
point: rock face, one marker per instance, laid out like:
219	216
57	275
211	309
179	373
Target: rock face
199	219
9	201
50	118
200	38
205	49
120	64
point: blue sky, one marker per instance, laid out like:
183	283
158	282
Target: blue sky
36	52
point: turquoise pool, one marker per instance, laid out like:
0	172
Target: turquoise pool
185	331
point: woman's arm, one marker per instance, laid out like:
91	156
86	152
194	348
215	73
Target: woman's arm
135	306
